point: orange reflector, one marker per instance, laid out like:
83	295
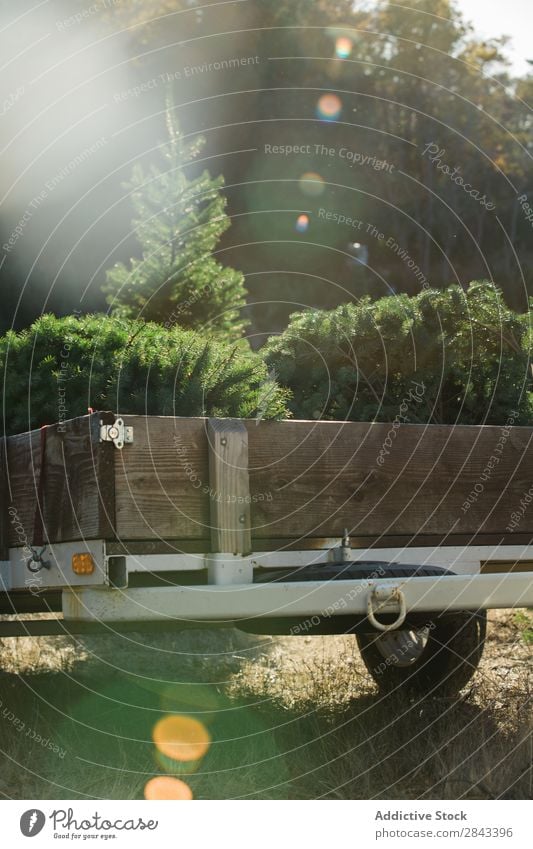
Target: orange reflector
82	564
164	787
181	738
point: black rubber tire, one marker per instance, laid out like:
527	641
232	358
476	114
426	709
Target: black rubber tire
446	663
359	571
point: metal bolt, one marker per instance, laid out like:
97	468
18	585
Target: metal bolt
242	519
223	441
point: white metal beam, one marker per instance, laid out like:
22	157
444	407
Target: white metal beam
464	560
299	599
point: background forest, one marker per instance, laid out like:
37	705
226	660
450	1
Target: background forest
218	168
398	80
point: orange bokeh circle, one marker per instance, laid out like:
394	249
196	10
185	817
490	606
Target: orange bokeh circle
181	738
163	787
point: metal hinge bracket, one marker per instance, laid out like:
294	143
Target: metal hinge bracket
117	433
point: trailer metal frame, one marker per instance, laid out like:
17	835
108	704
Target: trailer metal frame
97	474
225	592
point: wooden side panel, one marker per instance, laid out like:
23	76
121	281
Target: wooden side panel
306	480
377	480
4	503
162	480
78	487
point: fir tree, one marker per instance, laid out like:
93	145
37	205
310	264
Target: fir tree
178	223
59	367
465	355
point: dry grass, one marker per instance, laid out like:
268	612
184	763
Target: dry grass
289	718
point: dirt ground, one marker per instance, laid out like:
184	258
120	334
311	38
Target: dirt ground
294	717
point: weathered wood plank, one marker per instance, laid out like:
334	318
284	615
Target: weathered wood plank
229	492
4	503
162	480
306	480
311	479
77	497
22	466
316	479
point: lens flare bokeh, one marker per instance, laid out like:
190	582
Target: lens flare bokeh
312	184
302	223
166	788
343	47
181	738
329	107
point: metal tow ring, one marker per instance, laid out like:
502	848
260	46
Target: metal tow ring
384	596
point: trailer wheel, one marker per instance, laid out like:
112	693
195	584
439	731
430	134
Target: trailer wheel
434	659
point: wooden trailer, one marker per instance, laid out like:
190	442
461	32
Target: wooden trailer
401	534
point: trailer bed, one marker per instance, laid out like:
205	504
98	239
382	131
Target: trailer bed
296	483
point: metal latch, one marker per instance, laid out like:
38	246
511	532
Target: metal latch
341	553
117	433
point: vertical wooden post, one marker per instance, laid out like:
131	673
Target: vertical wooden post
229	489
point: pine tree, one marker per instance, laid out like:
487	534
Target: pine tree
178	222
